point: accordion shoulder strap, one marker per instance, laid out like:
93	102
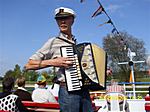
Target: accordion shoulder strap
65	40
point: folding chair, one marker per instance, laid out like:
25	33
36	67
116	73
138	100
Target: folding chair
114	100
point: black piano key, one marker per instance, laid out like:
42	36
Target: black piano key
76	87
69	49
72	69
69	52
75	82
69	55
74	76
74	79
73	72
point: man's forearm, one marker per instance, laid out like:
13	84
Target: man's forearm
37	64
57	62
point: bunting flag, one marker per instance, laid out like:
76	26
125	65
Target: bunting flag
101	10
131	79
109	21
113	30
102	24
82	1
98	11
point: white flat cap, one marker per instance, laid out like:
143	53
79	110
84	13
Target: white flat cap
64	12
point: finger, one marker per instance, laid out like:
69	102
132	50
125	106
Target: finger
68	59
68	62
55	57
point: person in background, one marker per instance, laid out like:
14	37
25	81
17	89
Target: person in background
41	94
148	61
149	90
50	56
114	87
148	94
23	94
54	89
8	101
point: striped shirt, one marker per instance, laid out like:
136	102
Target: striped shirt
51	49
115	88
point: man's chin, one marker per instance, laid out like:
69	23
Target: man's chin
64	30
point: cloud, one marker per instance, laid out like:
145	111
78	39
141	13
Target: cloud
113	8
118	9
5	66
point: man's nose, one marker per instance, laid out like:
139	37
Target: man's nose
62	21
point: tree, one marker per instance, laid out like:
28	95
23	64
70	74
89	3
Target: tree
14	73
116	47
30	75
9	73
17	71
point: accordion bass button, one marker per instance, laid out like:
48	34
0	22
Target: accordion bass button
84	64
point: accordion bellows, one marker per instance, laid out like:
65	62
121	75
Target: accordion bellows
89	68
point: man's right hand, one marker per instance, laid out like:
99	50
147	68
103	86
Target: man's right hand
61	62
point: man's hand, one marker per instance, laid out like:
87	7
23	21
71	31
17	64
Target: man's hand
62	62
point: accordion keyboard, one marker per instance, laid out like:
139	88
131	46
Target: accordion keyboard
73	73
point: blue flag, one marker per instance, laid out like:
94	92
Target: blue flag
98	11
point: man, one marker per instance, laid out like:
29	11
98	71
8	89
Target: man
50	55
114	87
41	94
23	94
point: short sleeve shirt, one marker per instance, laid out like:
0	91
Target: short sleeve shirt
42	95
51	49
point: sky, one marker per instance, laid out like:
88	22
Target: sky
25	25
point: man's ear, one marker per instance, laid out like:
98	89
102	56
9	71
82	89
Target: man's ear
72	20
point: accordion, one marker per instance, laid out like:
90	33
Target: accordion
88	69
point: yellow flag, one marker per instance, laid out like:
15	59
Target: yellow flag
130	80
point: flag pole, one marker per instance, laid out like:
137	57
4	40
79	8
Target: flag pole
133	81
108	17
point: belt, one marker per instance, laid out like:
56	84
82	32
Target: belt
62	84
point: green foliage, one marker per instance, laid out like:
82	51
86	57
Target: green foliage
9	73
17	71
30	75
116	47
14	73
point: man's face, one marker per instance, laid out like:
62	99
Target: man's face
65	24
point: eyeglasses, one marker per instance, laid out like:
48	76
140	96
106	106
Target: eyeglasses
63	18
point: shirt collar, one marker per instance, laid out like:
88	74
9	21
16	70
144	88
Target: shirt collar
64	36
22	88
